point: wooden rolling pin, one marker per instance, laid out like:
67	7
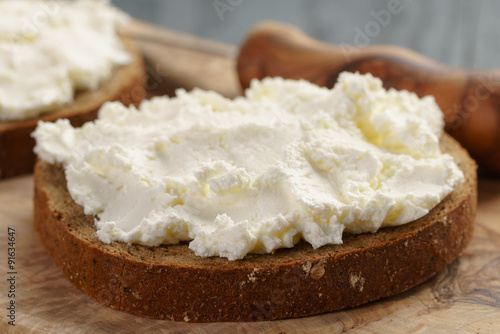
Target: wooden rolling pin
470	99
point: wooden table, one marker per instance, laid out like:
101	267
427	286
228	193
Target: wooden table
463	298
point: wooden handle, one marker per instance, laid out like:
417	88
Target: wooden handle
469	99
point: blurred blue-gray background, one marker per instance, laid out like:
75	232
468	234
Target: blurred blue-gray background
463	33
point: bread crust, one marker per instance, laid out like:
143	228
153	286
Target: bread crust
170	282
125	85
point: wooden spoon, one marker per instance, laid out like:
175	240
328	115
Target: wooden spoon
470	99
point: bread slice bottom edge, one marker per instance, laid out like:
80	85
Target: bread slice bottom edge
170	282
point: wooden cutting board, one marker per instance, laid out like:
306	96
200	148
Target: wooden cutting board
463	298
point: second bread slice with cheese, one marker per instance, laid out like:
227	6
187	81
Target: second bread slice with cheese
125	85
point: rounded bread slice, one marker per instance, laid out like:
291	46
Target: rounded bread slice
125	85
170	282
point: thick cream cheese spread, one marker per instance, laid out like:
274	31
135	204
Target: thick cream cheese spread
49	49
288	161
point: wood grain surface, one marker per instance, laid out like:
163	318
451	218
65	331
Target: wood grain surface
470	99
463	298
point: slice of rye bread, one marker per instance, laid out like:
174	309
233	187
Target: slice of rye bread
170	282
126	85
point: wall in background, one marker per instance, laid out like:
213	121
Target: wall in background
462	33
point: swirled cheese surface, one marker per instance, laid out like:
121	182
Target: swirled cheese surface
288	161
